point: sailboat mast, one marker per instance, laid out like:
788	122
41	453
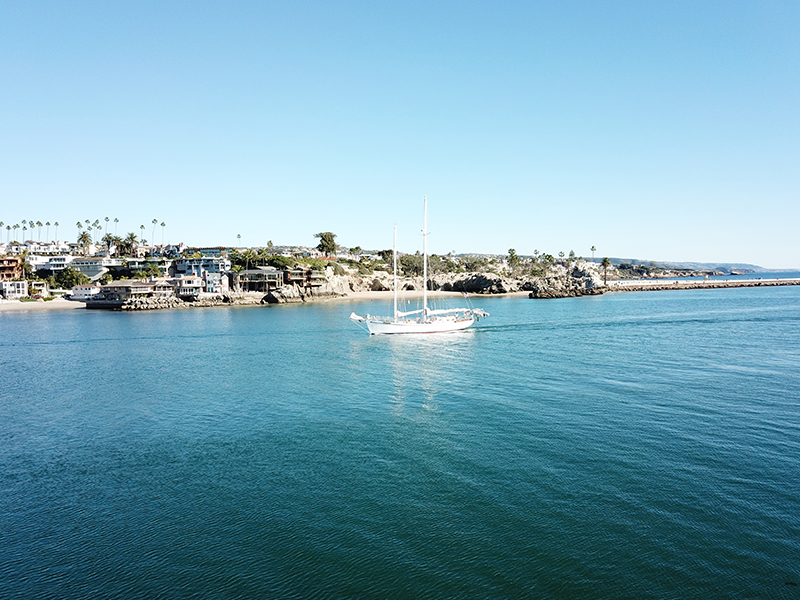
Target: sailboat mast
425	261
394	256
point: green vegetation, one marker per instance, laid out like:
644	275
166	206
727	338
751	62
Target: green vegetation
327	243
69	277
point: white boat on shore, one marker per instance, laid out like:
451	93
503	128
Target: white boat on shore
423	320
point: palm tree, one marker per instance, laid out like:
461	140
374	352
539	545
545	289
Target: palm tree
155	222
130	242
561	255
116	220
108	239
56	226
118	244
85	239
106	230
80	227
48	230
162	232
16	226
593	249
39	225
1	226
8	234
24	229
141	236
605	264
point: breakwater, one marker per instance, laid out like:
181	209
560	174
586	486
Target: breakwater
656	285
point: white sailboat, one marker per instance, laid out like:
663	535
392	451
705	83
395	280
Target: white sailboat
424	320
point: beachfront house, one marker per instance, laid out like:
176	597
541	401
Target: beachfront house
39	288
187	286
128	289
84	292
13	289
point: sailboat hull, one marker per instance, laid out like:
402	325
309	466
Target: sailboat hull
442	325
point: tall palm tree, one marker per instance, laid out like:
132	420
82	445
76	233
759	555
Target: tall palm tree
106	230
162	232
116	220
154	222
56	226
16	226
48	230
605	264
39	226
85	239
24	229
8	234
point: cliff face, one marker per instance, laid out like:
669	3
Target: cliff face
581	279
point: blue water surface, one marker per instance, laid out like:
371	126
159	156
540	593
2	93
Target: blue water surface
634	445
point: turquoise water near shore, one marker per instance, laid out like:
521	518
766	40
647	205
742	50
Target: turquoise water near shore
631	445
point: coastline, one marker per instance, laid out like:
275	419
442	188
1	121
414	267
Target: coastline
386	296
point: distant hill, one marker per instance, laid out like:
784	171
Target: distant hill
696	266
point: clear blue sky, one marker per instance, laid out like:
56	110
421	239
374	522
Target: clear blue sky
662	131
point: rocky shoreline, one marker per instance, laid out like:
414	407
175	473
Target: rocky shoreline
582	278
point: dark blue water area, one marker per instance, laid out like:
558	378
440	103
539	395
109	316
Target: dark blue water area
632	445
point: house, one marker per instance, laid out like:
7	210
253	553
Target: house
187	285
13	289
84	292
11	268
127	289
94	268
50	263
39	288
210	268
259	279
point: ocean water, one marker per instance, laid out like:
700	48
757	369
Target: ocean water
635	445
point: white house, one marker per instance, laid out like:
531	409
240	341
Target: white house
83	292
13	289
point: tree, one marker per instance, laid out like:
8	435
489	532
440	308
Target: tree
39	227
513	259
155	222
56	226
593	249
327	243
163	224
605	264
68	277
411	264
108	239
84	239
116	220
130	242
48	230
356	250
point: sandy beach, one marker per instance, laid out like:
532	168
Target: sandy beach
56	304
